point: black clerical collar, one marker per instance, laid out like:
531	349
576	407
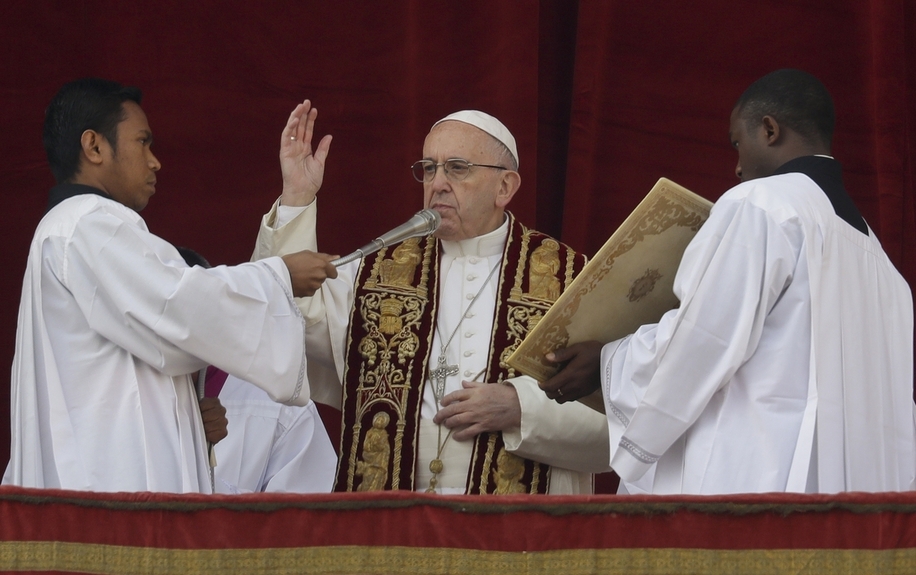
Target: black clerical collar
828	175
61	192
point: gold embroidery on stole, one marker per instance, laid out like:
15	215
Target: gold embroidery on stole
373	467
488	460
508	473
542	273
399	270
391	314
527	308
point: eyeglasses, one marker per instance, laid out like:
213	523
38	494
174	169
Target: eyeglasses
455	169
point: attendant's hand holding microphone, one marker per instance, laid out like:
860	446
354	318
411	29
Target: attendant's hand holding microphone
308	270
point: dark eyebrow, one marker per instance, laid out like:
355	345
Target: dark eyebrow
147	135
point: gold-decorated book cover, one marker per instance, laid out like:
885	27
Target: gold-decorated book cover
628	283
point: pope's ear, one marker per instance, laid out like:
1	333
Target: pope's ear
509	185
92	143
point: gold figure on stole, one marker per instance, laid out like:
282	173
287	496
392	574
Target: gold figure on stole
376	453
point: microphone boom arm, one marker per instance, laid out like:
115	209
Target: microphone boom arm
422	223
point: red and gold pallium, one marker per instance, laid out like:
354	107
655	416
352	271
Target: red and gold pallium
391	330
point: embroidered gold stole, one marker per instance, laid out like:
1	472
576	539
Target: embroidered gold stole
392	323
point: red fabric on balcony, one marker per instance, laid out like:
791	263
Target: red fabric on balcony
397	532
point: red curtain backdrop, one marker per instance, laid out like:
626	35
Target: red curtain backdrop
603	97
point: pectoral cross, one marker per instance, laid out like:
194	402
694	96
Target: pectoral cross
440	374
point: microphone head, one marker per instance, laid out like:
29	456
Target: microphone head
432	220
420	224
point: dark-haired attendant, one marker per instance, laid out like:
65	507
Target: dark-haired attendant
112	320
789	364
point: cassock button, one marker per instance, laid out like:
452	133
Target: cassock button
469	296
471	277
469	315
472	260
468	353
468	373
469	334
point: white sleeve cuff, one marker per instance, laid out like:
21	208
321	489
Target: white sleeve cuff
286	214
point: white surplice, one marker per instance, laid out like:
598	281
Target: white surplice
111	321
787	366
271	447
572	438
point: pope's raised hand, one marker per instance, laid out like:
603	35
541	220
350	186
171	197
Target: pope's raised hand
301	166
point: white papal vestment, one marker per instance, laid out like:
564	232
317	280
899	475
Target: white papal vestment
787	366
111	321
571	438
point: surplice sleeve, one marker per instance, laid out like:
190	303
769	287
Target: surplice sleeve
657	381
327	313
133	288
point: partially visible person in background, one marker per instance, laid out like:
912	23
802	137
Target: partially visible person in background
270	446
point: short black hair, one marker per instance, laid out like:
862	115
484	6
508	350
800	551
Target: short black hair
796	99
85	104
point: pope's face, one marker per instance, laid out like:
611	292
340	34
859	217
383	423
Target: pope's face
473	206
756	158
131	175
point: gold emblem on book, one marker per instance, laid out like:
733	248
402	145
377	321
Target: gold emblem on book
644	285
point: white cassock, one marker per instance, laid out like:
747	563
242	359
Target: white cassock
271	447
572	438
787	366
111	322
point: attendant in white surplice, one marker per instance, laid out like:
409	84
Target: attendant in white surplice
112	321
789	364
420	360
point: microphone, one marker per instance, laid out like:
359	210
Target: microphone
422	223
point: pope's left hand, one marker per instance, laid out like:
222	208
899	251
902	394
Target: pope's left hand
479	408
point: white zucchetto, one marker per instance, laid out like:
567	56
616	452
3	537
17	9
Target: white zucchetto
488	124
